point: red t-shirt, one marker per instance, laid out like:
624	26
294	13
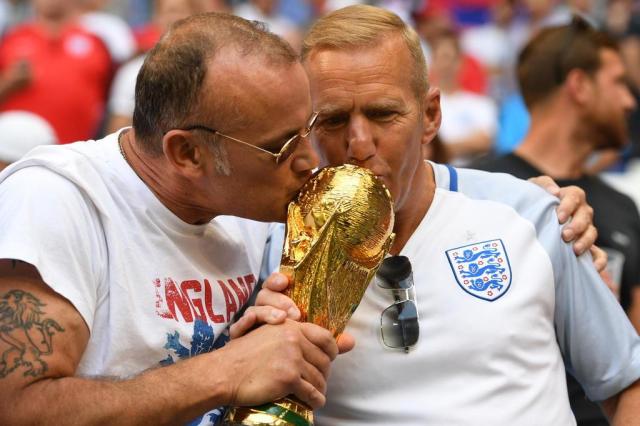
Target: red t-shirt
70	78
146	37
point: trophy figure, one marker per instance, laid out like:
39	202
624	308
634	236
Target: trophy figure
339	230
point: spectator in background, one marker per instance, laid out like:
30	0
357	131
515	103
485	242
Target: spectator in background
575	86
110	28
53	67
166	13
623	23
121	99
267	11
492	44
539	14
431	22
21	131
469	120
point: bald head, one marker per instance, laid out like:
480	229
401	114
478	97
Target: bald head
170	83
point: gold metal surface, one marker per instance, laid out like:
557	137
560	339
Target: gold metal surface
339	230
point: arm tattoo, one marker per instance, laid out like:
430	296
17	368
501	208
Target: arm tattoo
27	334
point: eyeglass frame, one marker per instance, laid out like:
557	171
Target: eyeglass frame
409	296
280	156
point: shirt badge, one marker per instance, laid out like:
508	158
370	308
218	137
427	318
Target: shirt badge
481	269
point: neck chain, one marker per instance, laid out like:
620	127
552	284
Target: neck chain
122	149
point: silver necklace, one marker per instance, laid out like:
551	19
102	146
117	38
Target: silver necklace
122	149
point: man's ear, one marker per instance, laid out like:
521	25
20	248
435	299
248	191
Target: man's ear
432	115
185	153
579	86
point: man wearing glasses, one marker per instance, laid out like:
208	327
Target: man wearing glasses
477	318
114	257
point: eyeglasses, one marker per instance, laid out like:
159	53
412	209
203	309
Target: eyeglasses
573	30
285	152
399	327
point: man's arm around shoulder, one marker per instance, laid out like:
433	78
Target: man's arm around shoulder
624	409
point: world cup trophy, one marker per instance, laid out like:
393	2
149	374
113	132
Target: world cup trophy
339	230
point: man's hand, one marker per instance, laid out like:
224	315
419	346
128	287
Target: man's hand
17	77
273	361
573	205
273	307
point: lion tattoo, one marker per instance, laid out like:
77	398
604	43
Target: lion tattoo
28	336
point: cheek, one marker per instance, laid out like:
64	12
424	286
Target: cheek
330	150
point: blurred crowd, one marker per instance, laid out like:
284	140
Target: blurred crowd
68	67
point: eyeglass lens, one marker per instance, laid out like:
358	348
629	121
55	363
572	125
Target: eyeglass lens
290	146
399	325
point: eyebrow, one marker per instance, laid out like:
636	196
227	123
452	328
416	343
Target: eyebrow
331	109
384	104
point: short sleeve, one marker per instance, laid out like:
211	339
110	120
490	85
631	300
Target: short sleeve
601	348
47	221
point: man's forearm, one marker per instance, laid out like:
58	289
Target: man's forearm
624	409
167	395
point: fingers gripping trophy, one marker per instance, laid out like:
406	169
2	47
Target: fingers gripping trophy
339	230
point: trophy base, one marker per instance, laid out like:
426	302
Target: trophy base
285	412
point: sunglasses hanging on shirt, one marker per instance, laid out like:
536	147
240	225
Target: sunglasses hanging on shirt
399	326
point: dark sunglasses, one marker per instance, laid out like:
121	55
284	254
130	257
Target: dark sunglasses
399	325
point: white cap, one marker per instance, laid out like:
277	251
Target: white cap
20	131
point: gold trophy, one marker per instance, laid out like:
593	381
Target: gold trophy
339	230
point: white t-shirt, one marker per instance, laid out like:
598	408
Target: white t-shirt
123	90
114	33
151	288
490	354
464	114
276	23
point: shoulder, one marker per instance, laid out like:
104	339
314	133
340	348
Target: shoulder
43	198
498	192
59	169
500	187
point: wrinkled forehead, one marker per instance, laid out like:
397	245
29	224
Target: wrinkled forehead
377	71
249	92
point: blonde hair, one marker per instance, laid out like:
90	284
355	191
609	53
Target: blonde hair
365	26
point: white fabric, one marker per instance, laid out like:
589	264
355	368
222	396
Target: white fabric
487	43
123	89
487	362
113	31
465	114
150	287
21	131
276	23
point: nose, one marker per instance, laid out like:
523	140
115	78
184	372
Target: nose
360	141
629	101
306	158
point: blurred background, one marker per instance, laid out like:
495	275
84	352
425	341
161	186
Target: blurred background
68	67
